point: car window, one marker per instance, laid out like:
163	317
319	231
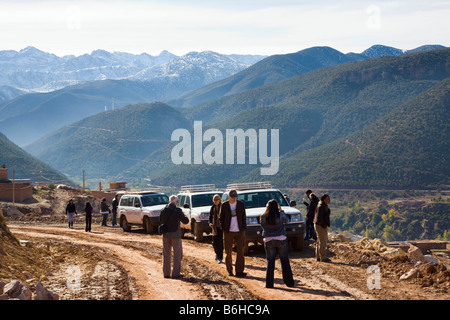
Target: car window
125	201
259	199
181	200
200	200
154	199
137	201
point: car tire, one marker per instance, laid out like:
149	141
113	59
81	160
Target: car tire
124	224
198	233
148	226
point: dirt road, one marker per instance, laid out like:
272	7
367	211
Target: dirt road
120	265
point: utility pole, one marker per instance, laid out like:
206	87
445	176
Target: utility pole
14	187
84	185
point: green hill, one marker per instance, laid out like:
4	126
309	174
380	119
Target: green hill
31	116
408	148
310	110
270	70
26	165
107	143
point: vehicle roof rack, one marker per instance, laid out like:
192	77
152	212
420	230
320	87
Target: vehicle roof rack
198	188
250	185
152	191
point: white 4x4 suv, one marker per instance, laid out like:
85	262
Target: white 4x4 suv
255	196
141	209
196	202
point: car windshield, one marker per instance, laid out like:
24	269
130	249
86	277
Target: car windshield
201	200
154	199
260	198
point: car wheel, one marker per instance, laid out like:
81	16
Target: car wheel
148	226
198	233
124	224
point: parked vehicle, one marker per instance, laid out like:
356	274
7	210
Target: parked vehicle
255	195
141	209
196	202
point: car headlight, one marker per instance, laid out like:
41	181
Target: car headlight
204	215
296	217
155	213
252	220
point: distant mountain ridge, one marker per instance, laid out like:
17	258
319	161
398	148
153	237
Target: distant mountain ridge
19	116
38	71
280	67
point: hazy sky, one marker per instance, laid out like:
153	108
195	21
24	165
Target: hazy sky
233	26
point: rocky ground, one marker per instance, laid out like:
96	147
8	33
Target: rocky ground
108	264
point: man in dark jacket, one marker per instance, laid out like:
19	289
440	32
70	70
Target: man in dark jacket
171	216
233	221
115	205
311	207
321	224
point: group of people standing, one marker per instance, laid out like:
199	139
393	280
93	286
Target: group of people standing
228	223
71	211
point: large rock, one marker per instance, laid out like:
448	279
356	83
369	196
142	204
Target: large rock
410	274
43	294
415	255
13	289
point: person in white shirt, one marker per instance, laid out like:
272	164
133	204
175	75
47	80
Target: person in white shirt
232	219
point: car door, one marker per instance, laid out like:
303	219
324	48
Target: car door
132	213
184	202
137	206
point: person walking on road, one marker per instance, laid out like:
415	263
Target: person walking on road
321	224
276	243
71	211
104	210
170	217
233	221
88	209
214	223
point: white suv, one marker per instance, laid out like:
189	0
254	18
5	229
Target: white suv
141	209
196	202
255	196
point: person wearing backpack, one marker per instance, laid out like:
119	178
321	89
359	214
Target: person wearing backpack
170	219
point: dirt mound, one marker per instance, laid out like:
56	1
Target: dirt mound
6	237
395	263
49	204
14	257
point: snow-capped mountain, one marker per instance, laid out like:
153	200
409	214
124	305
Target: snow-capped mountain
205	67
33	70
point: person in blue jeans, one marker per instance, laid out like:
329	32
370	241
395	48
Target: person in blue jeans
276	243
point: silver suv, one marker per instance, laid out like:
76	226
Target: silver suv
196	202
141	209
255	196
